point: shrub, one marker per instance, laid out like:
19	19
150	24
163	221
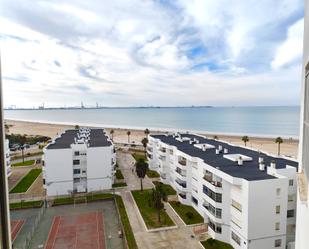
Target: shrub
190	215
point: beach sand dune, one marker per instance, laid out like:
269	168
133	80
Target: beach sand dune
288	148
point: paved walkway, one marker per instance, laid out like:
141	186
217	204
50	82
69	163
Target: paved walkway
178	238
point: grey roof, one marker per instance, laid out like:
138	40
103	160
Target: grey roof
249	170
97	139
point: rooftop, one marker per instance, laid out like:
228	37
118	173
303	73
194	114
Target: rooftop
249	170
97	138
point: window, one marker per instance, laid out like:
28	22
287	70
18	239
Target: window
84	171
278	191
278	243
76	180
44	181
194	200
237	205
76	153
278	209
290	213
76	171
291	182
290	198
76	162
277	226
235	237
217	197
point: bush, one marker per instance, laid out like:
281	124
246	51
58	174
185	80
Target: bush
190	215
119	174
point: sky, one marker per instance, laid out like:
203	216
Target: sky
151	52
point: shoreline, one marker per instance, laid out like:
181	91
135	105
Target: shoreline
289	147
155	129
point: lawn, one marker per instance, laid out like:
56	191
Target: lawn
138	156
215	244
187	213
126	223
119	185
26	204
167	188
89	197
26	181
119	174
150	214
26	163
152	174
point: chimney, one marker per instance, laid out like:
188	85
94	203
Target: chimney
204	147
240	161
220	147
217	151
273	164
261	159
190	142
226	150
262	166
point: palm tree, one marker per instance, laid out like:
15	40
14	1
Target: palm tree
158	195
279	141
23	140
145	142
216	137
146	131
141	169
128	133
245	139
112	133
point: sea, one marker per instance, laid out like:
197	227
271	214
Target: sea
263	121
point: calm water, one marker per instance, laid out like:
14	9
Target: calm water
283	121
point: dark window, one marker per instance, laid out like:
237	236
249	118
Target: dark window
194	200
236	238
217	197
278	243
76	153
76	171
75	162
43	181
290	213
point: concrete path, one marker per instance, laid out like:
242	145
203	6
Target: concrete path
178	238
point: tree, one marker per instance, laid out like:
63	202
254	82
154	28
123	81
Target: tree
76	127
141	169
112	134
145	142
279	141
245	139
146	131
128	133
216	137
158	196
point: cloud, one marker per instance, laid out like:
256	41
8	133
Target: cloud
180	52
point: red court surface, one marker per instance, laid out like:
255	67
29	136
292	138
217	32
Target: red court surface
16	225
84	231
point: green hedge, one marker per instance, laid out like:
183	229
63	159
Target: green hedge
25	183
119	185
26	204
26	163
89	197
119	174
215	244
152	174
139	156
126	223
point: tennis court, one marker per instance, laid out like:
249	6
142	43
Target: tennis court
16	226
80	231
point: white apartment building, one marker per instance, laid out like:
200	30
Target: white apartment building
8	158
302	225
79	161
248	198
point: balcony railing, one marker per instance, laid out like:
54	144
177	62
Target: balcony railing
182	162
210	179
183	196
182	184
180	172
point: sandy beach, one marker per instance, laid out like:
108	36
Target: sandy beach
288	148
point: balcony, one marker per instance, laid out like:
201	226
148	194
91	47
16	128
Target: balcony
209	178
182	184
182	161
162	149
180	172
215	212
162	158
217	197
183	196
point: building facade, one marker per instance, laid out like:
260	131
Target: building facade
79	161
8	158
302	228
248	198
